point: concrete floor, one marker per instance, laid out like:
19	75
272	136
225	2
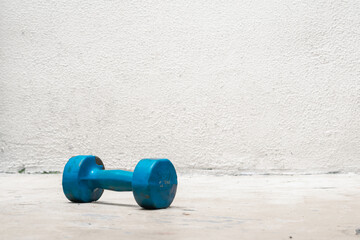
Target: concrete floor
206	207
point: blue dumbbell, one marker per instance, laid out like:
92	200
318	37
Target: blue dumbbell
153	181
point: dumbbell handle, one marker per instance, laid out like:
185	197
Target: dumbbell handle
116	180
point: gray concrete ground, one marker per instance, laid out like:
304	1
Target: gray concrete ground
206	207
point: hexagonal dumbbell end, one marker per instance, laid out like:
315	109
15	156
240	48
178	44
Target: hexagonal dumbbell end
154	183
76	187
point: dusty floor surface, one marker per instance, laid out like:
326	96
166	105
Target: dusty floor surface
206	207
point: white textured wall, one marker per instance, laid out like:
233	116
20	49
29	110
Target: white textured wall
235	86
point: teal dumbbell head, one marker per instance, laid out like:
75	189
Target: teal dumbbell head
153	182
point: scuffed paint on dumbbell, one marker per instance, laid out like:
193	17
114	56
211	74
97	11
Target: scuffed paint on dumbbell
153	182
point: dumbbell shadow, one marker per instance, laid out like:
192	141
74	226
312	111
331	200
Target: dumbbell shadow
127	205
153	182
116	204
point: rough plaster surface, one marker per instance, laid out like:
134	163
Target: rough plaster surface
233	86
